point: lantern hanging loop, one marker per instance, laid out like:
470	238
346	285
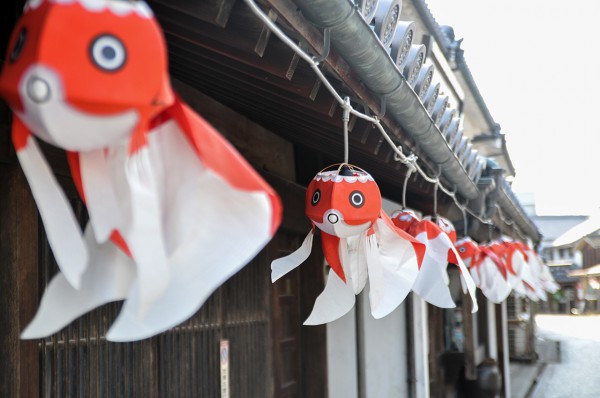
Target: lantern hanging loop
406	178
435	192
346	118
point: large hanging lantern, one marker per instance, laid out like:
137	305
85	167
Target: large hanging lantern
360	244
163	189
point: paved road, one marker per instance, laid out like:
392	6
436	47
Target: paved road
578	373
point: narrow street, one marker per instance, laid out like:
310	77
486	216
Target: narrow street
578	372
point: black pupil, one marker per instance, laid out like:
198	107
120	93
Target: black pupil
18	45
357	199
316	197
109	52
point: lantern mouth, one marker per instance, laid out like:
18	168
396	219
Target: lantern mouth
333	224
50	117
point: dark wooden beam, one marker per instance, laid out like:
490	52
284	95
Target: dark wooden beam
213	11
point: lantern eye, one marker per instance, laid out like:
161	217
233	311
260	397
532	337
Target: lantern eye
357	199
18	48
108	53
316	197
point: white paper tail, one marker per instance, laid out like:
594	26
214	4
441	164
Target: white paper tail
145	234
377	287
107	278
399	269
283	265
101	200
467	283
432	281
62	228
333	303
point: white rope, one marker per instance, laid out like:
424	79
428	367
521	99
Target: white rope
409	160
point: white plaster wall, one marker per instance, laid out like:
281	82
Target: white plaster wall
341	357
383	356
384	353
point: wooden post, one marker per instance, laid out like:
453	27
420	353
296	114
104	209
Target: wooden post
470	336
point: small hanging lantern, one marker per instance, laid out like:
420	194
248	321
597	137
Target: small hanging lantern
486	268
432	283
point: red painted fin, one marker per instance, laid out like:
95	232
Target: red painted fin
331	249
496	259
452	259
20	133
418	246
509	254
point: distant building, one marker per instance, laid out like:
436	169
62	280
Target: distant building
573	257
559	249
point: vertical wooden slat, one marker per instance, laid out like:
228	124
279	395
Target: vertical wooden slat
18	283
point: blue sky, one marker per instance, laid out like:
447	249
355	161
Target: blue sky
537	66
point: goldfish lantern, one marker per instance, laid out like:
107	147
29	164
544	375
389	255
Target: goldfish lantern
360	244
515	260
486	268
407	220
161	186
522	267
81	92
432	283
541	271
445	225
